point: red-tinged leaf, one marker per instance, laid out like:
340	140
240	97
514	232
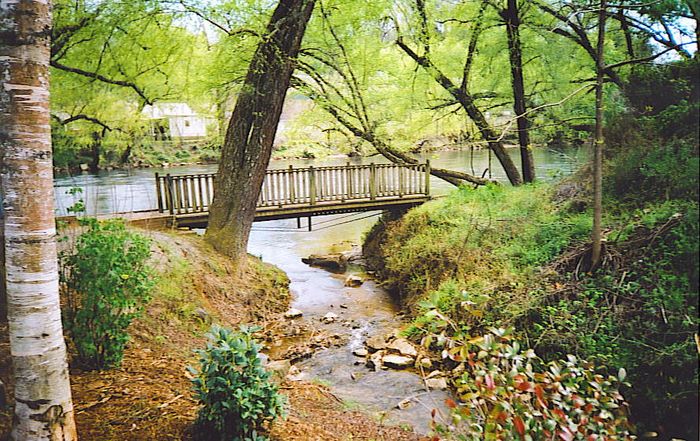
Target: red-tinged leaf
519	426
525	386
566	435
560	413
450	403
490	385
592	437
539	392
588	408
501	417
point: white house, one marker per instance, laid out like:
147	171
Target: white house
176	121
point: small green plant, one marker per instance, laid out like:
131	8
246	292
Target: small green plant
237	397
78	206
107	283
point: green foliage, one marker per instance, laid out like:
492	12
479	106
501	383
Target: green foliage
235	391
479	241
507	392
107	281
643	316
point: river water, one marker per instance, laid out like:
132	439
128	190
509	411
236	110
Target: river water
365	311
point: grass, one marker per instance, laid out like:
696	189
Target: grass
474	243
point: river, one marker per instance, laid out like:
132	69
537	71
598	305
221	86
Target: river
365	311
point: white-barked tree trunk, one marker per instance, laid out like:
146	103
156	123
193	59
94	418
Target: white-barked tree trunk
43	407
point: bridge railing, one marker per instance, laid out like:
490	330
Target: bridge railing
193	193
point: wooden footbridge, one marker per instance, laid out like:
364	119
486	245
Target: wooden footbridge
184	200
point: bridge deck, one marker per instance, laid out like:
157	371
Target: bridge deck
184	200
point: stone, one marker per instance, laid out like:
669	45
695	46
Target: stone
375	343
202	314
329	318
264	359
404	404
293	371
375	360
279	369
353	255
397	361
353	281
84	167
426	363
439	383
293	313
435	374
360	352
403	347
335	262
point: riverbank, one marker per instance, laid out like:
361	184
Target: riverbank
189	154
149	397
503	257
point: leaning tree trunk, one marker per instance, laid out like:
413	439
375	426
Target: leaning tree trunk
466	100
598	144
43	407
251	131
512	18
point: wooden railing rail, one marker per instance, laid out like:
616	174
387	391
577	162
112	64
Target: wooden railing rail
193	193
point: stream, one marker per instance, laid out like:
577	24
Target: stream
364	311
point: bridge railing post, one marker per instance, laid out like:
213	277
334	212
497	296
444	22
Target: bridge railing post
372	181
291	181
169	194
312	186
159	194
427	177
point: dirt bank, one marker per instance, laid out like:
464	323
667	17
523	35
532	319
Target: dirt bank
149	396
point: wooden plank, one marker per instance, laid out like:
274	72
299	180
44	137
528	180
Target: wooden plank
312	186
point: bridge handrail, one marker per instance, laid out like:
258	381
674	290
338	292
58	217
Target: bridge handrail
193	192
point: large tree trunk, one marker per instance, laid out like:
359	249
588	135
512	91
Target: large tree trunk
43	407
598	144
512	19
251	131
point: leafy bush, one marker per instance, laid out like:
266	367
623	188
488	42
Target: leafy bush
107	283
235	391
509	393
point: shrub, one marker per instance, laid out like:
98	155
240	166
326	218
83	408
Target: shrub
509	393
107	283
235	391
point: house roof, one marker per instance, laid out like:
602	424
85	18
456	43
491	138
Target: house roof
163	110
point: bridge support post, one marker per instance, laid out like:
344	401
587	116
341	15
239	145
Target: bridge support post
298	223
309	223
